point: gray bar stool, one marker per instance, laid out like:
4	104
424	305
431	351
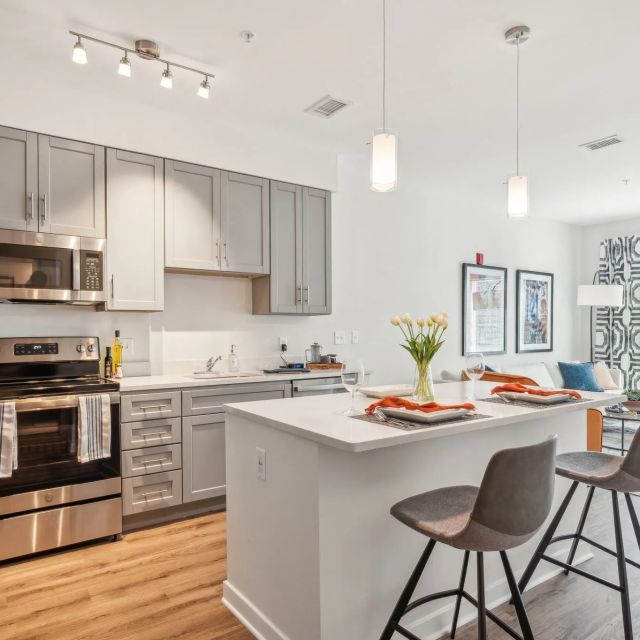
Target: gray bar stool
510	505
598	471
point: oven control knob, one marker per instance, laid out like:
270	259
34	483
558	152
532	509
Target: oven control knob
80	348
91	348
48	497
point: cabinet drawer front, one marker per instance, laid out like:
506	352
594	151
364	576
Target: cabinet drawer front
146	406
140	462
211	400
155	491
150	433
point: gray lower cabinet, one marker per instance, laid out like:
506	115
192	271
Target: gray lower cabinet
203	457
300	278
150	492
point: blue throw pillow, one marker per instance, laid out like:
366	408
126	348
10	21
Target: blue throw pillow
579	376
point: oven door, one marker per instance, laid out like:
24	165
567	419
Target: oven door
48	446
39	267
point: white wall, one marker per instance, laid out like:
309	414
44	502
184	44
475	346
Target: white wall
591	237
392	253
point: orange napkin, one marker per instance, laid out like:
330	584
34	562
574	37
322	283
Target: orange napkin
427	407
516	387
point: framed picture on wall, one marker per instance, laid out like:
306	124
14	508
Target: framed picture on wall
484	309
534	311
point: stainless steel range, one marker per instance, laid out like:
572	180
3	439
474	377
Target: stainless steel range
51	499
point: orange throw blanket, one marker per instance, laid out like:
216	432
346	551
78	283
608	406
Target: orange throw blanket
427	407
516	387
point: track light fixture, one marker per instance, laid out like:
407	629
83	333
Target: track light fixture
79	52
145	49
124	69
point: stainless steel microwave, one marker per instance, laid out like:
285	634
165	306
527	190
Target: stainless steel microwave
44	267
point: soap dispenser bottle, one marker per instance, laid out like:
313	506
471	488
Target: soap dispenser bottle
234	363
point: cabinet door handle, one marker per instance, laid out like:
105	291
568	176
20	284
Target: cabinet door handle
44	207
218	252
154	461
299	294
29	213
226	252
156	434
113	289
307	292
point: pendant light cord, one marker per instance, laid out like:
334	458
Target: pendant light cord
518	106
384	64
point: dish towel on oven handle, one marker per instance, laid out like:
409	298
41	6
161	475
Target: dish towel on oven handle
8	439
94	427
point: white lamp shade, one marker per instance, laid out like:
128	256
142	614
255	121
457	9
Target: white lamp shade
384	160
79	53
124	68
518	197
600	295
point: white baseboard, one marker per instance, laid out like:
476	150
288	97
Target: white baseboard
249	615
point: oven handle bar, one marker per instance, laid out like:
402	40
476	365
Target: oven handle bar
55	402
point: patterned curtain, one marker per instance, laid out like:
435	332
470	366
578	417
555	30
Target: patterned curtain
618	330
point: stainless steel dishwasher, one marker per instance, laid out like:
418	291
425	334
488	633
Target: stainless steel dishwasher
317	387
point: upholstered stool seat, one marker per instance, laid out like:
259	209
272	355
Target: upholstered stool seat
507	509
617	475
598	470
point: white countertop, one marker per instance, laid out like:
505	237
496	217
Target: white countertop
320	418
151	383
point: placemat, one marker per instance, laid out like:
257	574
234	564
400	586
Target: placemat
524	403
407	425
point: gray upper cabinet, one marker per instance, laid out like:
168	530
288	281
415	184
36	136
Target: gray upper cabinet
192	221
244	223
18	180
316	251
300	278
71	181
135	232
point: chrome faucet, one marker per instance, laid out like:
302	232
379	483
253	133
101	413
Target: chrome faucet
212	363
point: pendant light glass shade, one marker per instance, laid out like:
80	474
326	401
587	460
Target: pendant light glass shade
384	160
518	197
166	80
79	53
204	88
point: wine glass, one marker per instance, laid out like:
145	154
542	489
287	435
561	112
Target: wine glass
352	379
474	368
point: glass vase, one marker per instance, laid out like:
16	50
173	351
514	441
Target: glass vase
423	386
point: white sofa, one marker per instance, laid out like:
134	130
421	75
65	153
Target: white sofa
546	375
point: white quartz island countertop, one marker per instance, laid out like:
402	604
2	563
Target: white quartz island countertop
321	418
313	553
182	381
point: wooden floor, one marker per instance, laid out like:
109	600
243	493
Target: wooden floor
165	584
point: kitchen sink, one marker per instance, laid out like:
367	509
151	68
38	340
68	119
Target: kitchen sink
216	375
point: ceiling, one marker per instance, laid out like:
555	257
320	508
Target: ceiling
450	80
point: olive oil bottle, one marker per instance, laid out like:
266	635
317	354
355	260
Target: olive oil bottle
116	351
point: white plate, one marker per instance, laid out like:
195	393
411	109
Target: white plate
421	416
384	391
530	397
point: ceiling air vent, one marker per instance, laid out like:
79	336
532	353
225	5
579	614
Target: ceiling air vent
594	145
326	107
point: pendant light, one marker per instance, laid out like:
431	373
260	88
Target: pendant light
79	52
124	68
517	185
166	80
384	144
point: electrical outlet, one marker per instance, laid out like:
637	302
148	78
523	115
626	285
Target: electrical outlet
127	346
339	337
283	341
355	336
261	463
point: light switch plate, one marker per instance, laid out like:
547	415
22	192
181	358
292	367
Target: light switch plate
355	336
339	337
261	463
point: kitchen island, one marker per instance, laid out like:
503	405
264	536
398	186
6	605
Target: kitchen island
313	553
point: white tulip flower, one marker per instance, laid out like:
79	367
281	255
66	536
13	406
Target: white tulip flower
406	318
395	321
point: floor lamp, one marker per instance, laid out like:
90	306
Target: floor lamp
599	295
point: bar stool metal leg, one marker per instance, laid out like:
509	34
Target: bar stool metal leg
546	539
583	519
482	614
407	592
634	517
463	577
525	626
622	570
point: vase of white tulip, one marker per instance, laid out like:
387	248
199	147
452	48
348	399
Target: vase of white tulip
423	339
